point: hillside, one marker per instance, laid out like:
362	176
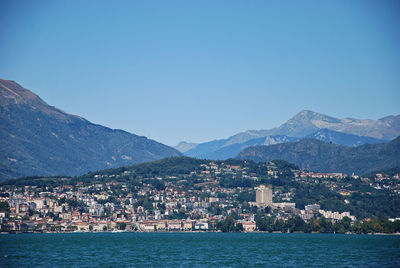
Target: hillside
38	139
306	124
320	156
232	182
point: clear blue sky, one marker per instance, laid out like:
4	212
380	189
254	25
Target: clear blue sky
200	70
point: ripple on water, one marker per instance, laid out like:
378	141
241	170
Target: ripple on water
198	250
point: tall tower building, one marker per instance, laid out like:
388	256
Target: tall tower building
263	196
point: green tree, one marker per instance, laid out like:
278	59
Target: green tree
227	225
239	227
343	226
265	224
121	225
4	206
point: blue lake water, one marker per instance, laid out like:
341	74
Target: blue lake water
198	250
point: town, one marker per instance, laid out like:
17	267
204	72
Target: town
198	195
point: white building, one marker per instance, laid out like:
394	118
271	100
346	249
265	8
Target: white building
263	196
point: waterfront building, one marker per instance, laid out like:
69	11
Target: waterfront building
201	225
248	226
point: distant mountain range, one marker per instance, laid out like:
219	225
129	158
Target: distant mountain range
316	155
38	139
219	150
306	124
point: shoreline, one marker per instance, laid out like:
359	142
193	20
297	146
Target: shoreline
255	232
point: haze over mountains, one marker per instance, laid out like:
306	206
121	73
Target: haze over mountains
306	124
38	139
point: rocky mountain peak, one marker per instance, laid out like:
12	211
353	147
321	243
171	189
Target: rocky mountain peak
13	93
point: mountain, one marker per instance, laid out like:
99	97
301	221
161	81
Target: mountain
230	150
38	139
345	139
326	135
305	124
226	148
184	146
321	156
202	149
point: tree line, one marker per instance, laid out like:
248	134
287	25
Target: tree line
315	225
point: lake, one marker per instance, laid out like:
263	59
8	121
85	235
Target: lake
198	250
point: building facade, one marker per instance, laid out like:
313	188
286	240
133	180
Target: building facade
263	196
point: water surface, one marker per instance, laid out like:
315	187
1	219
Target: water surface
198	250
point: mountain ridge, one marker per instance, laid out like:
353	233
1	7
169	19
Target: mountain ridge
304	124
39	139
321	156
341	138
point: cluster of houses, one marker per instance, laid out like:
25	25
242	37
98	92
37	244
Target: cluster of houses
109	204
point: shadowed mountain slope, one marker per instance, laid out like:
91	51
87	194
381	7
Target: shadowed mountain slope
38	139
320	156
